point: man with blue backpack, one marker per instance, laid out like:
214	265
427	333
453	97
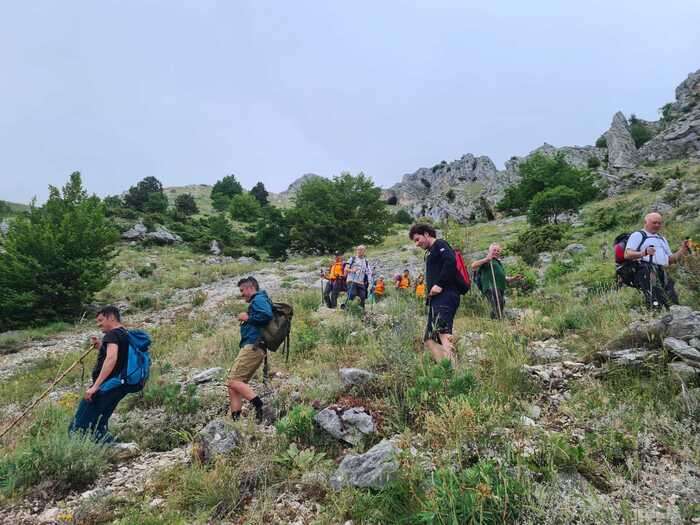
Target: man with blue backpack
122	367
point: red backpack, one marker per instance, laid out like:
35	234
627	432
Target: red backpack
464	282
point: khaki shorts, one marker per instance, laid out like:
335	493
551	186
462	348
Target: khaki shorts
247	362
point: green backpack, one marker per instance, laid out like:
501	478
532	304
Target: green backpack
277	331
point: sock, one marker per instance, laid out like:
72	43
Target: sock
236	415
258	404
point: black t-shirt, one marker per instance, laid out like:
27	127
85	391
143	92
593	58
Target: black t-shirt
120	337
440	266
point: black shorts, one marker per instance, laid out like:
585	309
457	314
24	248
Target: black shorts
442	309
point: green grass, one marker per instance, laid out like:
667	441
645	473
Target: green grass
11	341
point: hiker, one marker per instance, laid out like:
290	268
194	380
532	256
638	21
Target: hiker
443	293
490	277
358	276
379	288
251	354
651	253
98	403
335	279
404	282
420	287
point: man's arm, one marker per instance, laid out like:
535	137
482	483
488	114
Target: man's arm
636	239
477	264
107	368
682	252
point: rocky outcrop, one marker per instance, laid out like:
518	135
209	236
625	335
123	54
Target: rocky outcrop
286	196
355	376
162	235
463	190
216	439
681	136
136	233
622	153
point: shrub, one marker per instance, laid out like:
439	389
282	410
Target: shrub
306	338
223	191
593	163
436	382
147	195
548	204
55	258
171	396
185	205
655	183
609	216
337	214
298	424
403	217
540	173
50	454
244	207
260	193
273	232
299	462
641	134
533	241
601	142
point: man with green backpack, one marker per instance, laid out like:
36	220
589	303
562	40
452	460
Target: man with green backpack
265	326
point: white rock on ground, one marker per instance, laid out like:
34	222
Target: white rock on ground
374	469
350	425
207	375
355	376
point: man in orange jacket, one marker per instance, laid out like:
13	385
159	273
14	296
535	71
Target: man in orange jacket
404	282
335	280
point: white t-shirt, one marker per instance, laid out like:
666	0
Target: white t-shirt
358	267
663	250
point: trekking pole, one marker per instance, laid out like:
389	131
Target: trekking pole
46	393
495	290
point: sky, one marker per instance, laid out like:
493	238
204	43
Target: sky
191	91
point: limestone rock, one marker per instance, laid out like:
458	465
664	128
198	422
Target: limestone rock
218	437
4	227
630	357
163	236
350	425
136	232
695	342
124	451
545	351
207	375
622	153
575	248
355	376
246	260
683	370
214	247
685	324
50	515
374	469
683	350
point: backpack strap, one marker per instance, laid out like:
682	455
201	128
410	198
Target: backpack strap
644	238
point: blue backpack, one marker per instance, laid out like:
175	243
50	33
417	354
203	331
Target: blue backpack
138	364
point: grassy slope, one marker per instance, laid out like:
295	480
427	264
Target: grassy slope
604	418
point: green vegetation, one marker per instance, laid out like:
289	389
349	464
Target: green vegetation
223	191
185	205
147	196
260	193
55	258
244	207
641	134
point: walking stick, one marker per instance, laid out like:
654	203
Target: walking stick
46	393
495	290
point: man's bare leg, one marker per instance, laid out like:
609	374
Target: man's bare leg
442	350
237	390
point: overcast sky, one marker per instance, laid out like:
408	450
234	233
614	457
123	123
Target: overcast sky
191	91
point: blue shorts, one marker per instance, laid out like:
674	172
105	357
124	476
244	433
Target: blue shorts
442	309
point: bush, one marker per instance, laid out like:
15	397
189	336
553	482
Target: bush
244	207
655	183
148	190
260	193
306	339
337	214
604	218
548	204
593	163
540	173
273	233
223	191
50	454
641	134
437	382
601	142
533	241
403	217
185	205
171	396
298	424
56	258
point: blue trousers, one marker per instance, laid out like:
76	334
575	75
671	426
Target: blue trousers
93	416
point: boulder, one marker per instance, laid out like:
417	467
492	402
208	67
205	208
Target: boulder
630	357
373	469
350	425
4	227
355	376
681	349
684	323
207	375
136	232
545	352
214	248
218	437
622	153
683	371
50	515
575	248
246	260
163	236
124	451
695	342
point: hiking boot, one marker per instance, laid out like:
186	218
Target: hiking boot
267	416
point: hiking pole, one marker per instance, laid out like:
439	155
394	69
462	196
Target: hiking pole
495	290
46	392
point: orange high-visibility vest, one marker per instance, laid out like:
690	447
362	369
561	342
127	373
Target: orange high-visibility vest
420	290
335	271
405	282
379	288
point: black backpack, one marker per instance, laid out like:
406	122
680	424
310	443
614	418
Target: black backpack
277	332
625	270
